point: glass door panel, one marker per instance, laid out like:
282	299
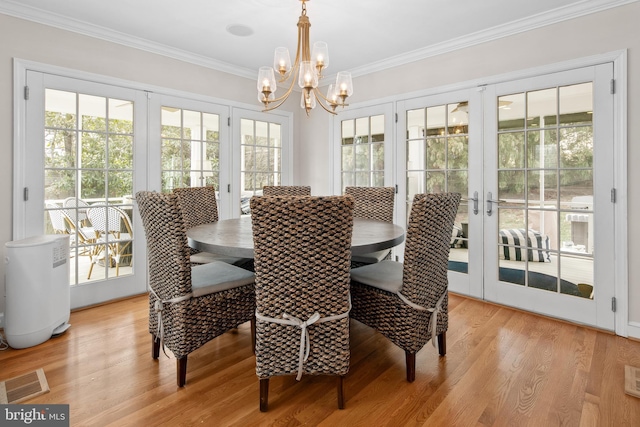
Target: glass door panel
362	152
441	154
260	151
540	192
552	138
437	159
84	158
89	161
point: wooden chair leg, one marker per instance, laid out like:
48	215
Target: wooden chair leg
411	366
253	334
264	394
442	343
181	365
155	346
341	392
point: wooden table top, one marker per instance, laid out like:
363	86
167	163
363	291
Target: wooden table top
234	237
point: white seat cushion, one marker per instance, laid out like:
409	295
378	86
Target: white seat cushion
385	275
371	257
218	276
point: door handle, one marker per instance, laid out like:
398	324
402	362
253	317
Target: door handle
475	202
490	202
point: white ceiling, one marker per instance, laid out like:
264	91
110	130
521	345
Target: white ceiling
363	35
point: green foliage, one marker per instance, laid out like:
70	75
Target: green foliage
106	157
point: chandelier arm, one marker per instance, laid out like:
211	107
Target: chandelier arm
281	99
320	98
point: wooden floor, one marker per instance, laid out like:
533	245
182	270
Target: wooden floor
503	368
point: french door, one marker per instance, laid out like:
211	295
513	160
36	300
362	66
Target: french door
533	159
365	154
262	155
548	209
83	159
190	146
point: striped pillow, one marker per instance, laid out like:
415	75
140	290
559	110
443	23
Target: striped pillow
537	245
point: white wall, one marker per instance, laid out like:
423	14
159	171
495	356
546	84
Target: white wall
603	32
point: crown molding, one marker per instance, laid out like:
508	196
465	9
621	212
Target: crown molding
585	7
554	16
29	13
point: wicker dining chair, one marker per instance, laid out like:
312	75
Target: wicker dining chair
302	257
188	306
408	303
199	206
372	203
286	190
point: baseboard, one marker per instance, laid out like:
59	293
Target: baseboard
633	330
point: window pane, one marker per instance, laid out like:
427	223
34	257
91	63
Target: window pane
415	184
60	148
436	120
348	153
511	150
576	104
348	131
436	153
60	109
93	112
275	135
542	149
120	116
542	188
362	130
415	124
542	108
416	155
511	186
211	125
120	152
576	147
94	147
436	182
511	112
377	128
362	157
458	152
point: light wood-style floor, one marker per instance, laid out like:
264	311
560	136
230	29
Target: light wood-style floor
503	368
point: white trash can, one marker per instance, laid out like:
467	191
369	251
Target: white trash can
37	303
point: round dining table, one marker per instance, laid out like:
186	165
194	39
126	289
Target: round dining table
234	237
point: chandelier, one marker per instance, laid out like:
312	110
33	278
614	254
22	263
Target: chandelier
308	67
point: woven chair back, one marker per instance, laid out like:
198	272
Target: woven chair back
373	202
199	205
302	249
427	244
167	248
286	190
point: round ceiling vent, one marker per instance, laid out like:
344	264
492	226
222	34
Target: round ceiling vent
239	30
